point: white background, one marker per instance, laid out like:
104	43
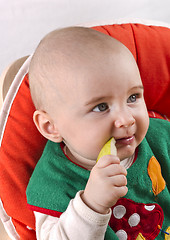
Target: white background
24	22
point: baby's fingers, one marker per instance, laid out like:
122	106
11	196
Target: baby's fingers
114	194
119	180
107	160
115	169
120	191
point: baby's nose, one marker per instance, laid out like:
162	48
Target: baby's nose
124	119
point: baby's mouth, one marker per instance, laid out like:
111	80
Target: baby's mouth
126	140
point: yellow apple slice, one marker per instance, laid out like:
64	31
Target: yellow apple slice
108	149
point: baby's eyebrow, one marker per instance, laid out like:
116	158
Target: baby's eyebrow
137	87
94	100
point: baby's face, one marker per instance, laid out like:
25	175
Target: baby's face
98	101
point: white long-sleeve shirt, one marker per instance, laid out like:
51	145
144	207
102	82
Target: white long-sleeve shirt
77	222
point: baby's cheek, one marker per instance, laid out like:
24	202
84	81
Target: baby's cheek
142	126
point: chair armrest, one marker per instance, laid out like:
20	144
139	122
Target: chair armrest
8	76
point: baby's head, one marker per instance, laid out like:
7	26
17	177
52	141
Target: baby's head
86	88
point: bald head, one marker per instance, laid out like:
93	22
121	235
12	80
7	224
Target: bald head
62	53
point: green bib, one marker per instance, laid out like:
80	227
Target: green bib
56	180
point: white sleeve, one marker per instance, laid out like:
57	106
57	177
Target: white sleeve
77	222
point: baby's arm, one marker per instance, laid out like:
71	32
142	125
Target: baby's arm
77	222
88	214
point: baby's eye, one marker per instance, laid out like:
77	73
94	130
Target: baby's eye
101	107
132	98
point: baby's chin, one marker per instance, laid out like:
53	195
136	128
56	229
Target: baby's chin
126	154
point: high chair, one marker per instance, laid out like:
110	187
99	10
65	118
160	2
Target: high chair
21	145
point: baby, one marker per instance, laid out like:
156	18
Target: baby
86	88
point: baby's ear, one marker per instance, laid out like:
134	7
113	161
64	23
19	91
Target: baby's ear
46	126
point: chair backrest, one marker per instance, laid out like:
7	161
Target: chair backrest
21	145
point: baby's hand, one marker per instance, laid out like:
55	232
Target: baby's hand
106	184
